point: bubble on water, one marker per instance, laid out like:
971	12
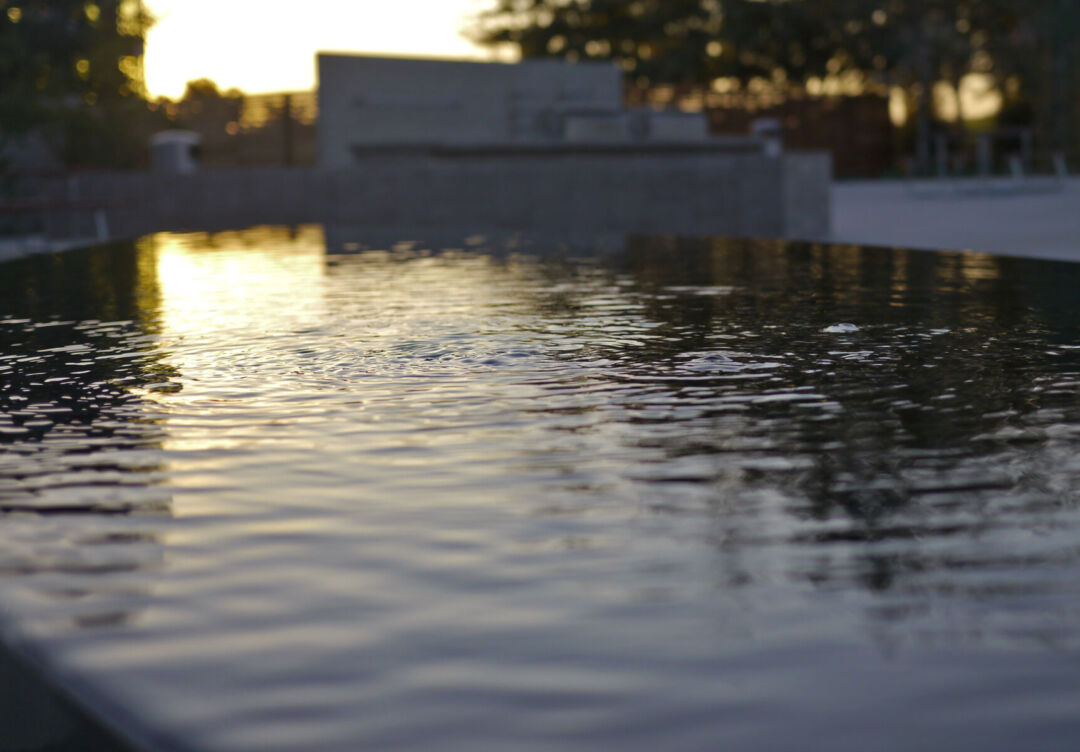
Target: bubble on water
840	329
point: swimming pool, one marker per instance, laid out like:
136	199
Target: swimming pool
261	493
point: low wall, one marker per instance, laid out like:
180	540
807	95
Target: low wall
745	195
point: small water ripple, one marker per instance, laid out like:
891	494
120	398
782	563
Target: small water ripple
258	497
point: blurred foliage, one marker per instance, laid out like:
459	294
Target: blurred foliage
72	72
245	130
1026	47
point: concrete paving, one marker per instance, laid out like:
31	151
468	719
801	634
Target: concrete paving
1034	217
1037	217
14	248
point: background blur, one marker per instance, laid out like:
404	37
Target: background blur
877	82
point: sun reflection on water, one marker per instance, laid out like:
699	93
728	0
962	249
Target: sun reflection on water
266	278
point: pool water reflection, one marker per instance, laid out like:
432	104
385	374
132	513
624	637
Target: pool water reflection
260	493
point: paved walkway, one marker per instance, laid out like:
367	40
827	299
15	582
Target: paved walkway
11	248
1038	217
1035	217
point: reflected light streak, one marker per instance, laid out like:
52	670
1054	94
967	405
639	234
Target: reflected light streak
229	289
270	338
238	281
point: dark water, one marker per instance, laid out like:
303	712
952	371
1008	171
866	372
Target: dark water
259	494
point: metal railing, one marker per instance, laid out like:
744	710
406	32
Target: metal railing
45	205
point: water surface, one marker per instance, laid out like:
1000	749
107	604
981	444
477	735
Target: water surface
263	494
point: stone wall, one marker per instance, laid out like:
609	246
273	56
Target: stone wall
556	192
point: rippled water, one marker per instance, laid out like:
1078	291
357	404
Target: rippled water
262	494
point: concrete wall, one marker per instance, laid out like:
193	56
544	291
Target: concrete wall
377	100
807	196
561	193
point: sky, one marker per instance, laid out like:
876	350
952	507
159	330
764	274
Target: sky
270	45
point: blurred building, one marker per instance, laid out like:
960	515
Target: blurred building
427	146
370	103
366	103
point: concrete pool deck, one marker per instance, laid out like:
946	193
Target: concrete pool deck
1034	217
16	248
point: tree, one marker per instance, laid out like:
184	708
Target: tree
72	68
912	44
655	41
1036	64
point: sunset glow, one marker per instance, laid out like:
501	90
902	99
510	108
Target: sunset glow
270	45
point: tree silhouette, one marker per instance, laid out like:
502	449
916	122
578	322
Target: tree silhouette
1026	47
72	68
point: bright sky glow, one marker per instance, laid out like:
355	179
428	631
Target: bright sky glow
270	45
